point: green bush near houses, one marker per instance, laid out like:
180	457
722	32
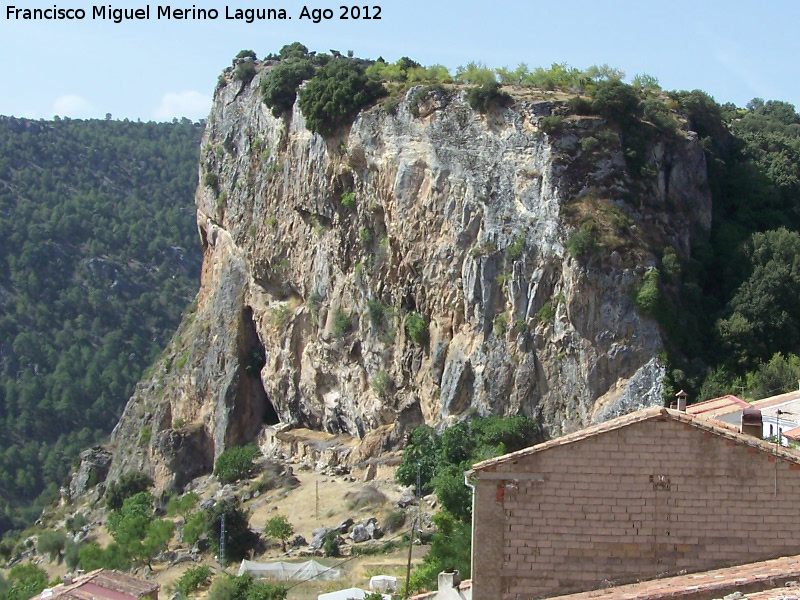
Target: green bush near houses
239	539
279	528
193	579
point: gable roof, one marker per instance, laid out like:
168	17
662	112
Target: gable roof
718	428
776	400
717	407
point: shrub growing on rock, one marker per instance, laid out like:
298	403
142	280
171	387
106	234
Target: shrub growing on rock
52	543
394	521
551	125
293	50
648	295
616	100
335	95
244	72
129	484
417	328
279	87
342	323
485	97
236	463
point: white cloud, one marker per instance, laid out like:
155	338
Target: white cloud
70	105
192	105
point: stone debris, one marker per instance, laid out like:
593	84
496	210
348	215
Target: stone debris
406	500
318	537
344	526
359	534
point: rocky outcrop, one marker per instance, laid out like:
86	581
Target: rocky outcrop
93	469
321	256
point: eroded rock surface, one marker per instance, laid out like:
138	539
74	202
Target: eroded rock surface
317	251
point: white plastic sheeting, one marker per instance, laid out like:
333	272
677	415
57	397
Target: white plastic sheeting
383	583
283	571
348	594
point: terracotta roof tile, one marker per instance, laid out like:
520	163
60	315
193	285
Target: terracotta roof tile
717	407
758	581
775	400
102	584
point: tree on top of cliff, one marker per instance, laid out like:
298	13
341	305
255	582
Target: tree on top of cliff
279	87
293	50
335	95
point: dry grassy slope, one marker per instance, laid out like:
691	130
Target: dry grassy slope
304	511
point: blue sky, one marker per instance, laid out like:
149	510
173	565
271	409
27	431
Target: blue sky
157	70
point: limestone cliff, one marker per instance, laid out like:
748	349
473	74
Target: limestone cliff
321	255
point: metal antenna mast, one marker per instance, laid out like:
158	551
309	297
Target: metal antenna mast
222	541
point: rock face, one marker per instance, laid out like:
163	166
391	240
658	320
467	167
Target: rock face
320	257
93	469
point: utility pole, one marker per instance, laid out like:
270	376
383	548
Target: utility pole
411	533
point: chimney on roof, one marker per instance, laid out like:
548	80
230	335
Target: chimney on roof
752	422
681	400
449	580
68	579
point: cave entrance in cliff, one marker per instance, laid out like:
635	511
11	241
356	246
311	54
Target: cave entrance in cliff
270	414
255	359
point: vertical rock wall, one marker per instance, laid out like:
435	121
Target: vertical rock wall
318	253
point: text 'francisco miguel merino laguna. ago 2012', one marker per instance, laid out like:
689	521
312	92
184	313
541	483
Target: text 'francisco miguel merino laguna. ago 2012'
167	12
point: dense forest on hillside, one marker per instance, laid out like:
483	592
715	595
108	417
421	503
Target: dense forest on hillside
732	310
98	260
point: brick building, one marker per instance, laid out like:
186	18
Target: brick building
651	493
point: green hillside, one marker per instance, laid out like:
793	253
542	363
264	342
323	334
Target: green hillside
98	259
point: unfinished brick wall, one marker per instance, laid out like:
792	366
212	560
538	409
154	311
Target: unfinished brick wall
655	496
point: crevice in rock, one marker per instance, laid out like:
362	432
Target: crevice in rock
253	407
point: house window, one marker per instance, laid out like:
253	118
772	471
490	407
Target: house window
770	431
